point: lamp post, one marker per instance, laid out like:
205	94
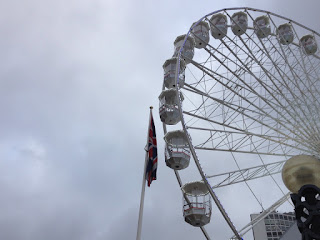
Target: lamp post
301	175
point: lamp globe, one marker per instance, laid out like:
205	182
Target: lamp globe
301	170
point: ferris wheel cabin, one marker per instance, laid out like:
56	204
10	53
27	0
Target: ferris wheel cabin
239	23
285	34
308	44
196	204
169	68
219	26
188	48
177	154
262	26
168	110
201	34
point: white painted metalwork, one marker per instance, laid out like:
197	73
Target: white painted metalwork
247	174
250	94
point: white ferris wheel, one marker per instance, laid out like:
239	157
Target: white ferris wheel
240	97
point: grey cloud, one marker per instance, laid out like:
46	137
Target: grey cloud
77	79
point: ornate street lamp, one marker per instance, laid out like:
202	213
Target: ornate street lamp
301	175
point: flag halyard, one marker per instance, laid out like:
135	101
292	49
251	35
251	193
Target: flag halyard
152	153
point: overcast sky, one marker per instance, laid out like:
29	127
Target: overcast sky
77	78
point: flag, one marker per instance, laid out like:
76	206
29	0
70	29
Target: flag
152	153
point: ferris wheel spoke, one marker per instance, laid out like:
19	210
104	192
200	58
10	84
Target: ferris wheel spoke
305	124
262	161
292	115
242	151
310	115
282	74
268	102
315	100
245	130
293	66
239	111
197	91
274	84
253	55
251	134
266	147
246	174
248	133
315	76
207	71
316	111
296	80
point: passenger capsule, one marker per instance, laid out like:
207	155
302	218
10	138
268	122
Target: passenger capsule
169	68
177	154
188	48
262	26
201	34
168	109
239	23
219	26
285	34
197	207
308	44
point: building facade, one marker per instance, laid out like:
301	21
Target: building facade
273	226
292	234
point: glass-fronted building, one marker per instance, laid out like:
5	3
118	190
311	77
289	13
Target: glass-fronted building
273	226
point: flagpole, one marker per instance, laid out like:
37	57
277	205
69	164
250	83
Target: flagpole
143	185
